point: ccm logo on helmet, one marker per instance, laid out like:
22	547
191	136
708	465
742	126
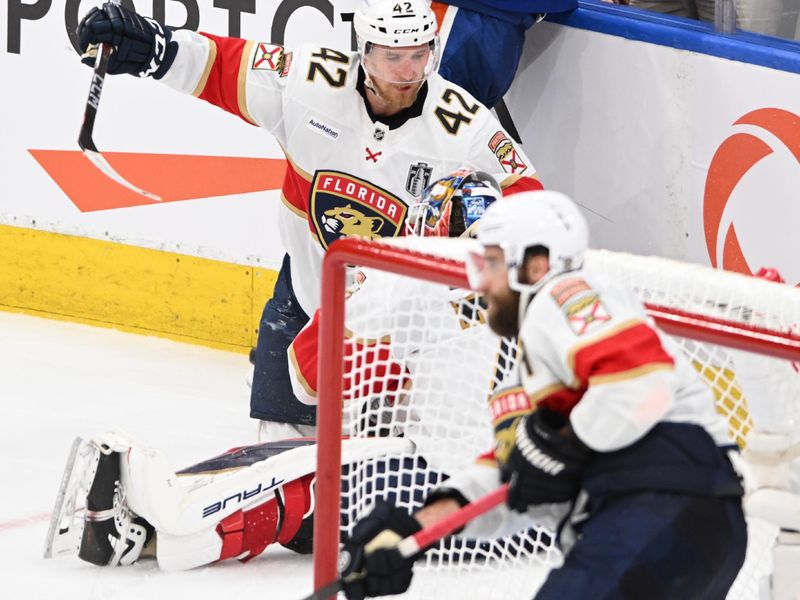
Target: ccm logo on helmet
404	31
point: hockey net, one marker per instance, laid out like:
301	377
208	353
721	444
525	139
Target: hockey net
410	354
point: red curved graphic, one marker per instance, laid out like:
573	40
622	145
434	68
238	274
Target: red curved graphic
174	177
732	160
783	124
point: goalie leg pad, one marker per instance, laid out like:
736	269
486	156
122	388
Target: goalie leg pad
285	518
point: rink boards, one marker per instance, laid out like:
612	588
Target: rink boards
679	142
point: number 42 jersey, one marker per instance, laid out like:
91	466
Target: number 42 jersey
349	172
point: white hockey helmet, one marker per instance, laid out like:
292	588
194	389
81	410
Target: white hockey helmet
528	219
450	206
389	26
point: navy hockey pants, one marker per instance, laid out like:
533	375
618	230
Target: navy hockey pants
654	545
272	398
665	522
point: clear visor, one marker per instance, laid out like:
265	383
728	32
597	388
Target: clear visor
401	65
477	270
481	269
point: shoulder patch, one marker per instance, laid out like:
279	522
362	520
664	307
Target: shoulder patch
585	313
564	290
506	153
269	57
580	304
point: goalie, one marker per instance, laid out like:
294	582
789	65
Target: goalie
119	496
619	428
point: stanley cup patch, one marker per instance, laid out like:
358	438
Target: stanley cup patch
419	176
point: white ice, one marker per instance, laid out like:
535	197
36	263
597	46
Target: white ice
59	380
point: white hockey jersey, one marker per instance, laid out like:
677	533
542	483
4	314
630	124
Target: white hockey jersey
348	174
591	353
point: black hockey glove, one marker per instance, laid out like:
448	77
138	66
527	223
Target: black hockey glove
545	465
374	566
142	46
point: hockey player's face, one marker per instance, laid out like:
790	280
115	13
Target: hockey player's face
400	66
398	73
502	302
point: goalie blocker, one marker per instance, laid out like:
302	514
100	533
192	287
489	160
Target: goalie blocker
118	497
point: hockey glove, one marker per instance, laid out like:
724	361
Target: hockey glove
142	46
544	465
374	565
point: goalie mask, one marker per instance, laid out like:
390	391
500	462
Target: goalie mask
397	41
450	206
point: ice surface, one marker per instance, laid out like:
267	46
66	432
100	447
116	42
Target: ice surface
59	380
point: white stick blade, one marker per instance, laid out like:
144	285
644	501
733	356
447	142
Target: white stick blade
101	163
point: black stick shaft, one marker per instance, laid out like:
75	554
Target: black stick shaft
93	101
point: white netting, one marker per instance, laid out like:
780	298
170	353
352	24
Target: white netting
420	362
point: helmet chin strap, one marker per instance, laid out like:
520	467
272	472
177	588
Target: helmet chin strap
371	86
527	292
525	298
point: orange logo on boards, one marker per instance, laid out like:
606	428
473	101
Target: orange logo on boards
174	177
733	160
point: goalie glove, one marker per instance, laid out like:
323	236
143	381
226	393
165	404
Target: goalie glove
544	466
374	565
142	46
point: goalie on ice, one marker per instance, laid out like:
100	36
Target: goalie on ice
120	500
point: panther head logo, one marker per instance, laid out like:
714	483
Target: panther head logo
348	221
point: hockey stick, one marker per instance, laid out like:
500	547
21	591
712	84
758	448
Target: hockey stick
85	138
424	539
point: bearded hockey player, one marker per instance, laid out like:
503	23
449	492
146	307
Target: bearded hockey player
617	421
364	133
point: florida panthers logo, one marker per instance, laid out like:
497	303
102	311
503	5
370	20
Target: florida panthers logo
342	205
351	221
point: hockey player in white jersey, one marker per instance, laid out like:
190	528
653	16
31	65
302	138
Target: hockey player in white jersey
617	420
363	133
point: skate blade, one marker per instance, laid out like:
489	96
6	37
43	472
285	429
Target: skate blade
67	520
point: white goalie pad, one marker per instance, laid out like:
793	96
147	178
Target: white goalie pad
182	504
184	509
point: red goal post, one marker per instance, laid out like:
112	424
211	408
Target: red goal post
716	308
